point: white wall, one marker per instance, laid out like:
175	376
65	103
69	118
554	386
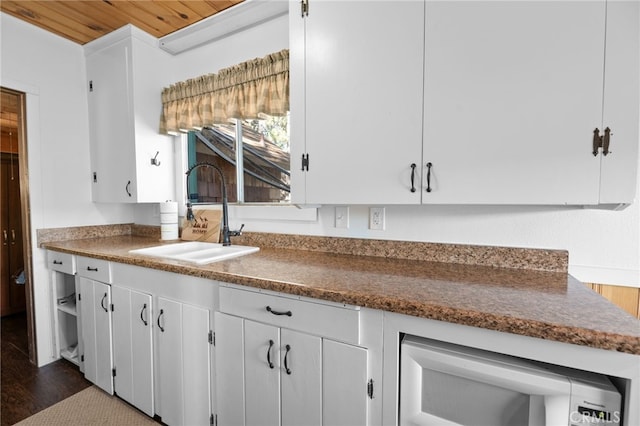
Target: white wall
51	71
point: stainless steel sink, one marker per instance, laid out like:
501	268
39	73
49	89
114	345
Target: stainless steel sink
196	252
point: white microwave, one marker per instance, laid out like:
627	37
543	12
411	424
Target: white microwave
445	384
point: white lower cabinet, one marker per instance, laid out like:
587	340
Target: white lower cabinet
270	374
95	303
342	366
283	376
66	316
133	347
184	352
301	372
145	340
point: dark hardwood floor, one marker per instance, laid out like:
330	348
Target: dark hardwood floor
25	388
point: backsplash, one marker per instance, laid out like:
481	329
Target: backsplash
501	257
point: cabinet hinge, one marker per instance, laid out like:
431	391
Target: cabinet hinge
213	420
601	141
304	8
113	372
82	358
112	307
79	296
370	389
90	85
212	338
95	177
305	162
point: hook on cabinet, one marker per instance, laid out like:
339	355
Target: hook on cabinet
155	161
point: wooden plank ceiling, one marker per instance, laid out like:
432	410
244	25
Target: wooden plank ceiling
82	21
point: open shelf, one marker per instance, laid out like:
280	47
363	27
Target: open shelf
66	316
69	308
66	354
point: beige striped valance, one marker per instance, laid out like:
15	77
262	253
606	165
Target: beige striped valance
242	91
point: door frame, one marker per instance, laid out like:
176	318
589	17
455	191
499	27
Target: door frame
27	255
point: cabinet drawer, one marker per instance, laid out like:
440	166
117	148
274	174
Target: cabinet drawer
95	269
335	322
62	262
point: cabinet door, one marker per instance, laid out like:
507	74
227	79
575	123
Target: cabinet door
620	167
512	96
169	338
132	348
229	369
110	102
344	384
301	376
262	374
196	358
184	352
360	76
96	333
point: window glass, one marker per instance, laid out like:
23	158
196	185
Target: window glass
265	161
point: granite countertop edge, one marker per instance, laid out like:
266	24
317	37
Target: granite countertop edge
246	271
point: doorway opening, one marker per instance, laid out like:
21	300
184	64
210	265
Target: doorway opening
16	296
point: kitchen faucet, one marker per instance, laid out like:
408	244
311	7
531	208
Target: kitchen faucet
226	234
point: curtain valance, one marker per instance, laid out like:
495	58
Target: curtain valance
242	91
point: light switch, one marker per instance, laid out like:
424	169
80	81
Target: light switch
342	217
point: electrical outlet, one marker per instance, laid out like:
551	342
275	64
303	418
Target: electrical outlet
376	218
342	217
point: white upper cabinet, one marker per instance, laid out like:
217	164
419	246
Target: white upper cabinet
495	102
621	103
356	101
513	94
125	79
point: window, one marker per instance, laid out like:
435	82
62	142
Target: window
264	172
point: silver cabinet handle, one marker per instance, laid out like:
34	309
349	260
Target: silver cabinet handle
5	238
13	236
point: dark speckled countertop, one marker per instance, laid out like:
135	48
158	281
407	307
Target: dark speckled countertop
529	293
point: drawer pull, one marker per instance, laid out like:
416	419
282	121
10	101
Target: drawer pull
159	326
57	262
286	368
144	308
102	303
269	363
287	313
89	268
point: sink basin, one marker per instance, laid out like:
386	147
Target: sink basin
196	252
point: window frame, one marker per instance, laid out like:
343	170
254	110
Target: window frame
238	210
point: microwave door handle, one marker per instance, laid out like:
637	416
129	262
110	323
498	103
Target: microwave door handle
537	411
548	409
556	408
